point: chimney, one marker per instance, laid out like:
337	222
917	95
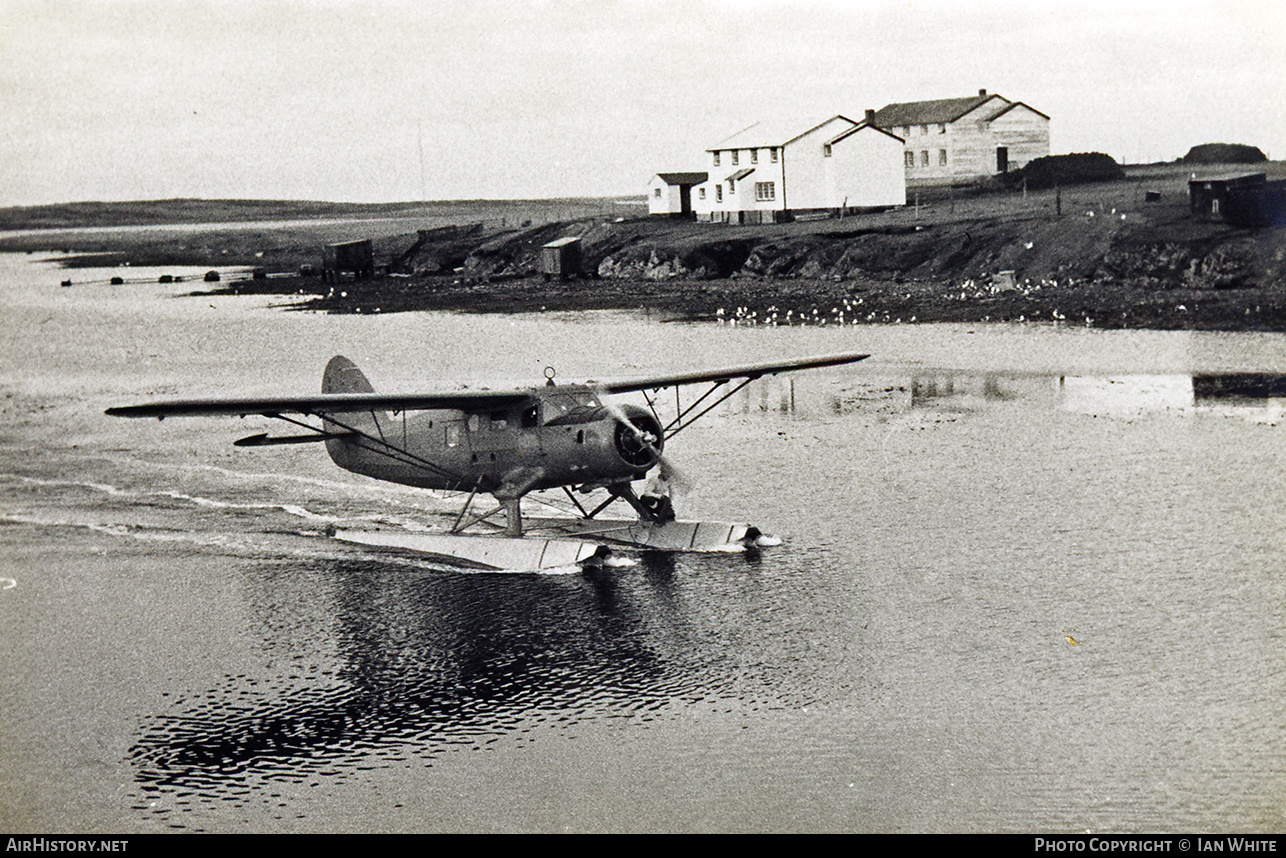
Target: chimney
982	92
870	116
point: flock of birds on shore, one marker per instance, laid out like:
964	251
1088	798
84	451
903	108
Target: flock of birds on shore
855	311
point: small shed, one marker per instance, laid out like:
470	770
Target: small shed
357	257
1257	206
561	258
1208	196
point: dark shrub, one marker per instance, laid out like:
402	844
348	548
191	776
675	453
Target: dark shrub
1224	153
1065	170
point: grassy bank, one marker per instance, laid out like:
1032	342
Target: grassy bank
1116	254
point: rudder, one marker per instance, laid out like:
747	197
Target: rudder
343	376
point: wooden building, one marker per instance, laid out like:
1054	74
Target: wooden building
561	258
355	257
768	172
961	140
671	193
1208	195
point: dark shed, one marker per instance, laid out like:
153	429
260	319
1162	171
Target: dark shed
1257	206
1208	196
355	256
561	258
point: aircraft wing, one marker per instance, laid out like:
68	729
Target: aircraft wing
322	403
339	403
718	376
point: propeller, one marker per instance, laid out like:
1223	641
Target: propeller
651	442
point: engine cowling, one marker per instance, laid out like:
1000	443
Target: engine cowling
638	438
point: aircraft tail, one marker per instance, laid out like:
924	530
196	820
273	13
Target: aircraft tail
343	376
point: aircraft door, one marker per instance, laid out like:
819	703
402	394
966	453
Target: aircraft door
530	445
494	438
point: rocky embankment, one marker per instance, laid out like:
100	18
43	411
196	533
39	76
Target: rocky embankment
1112	255
1097	265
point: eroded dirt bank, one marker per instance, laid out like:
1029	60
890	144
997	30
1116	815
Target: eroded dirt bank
1124	254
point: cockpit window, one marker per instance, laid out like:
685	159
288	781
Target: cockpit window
564	404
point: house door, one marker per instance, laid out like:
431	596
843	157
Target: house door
1002	159
685	199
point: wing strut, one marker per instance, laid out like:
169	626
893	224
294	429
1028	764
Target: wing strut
382	447
683	421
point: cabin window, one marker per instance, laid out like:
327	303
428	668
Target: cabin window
765	190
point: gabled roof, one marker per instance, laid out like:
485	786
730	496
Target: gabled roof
683	178
777	133
1011	106
856	128
941	111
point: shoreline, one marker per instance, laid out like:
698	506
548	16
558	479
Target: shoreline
1124	254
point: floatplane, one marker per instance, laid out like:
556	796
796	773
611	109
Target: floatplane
507	444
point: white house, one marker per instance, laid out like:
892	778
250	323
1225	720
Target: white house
764	174
963	139
671	193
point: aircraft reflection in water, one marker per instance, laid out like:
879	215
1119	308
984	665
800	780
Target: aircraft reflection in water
423	664
508	444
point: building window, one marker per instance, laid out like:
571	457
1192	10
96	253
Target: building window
910	158
773	154
942	157
942	128
716	159
906	130
657	192
924	158
924	129
736	157
765	190
754	156
826	149
718	193
701	193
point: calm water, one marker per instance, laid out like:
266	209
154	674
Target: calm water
1032	580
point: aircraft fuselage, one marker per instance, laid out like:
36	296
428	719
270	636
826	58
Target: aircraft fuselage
556	436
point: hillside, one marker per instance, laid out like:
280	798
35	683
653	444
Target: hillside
1124	253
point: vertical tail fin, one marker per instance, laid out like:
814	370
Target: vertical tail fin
343	376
